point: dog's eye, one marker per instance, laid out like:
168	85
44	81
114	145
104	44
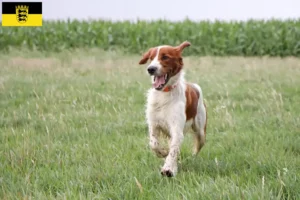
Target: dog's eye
164	57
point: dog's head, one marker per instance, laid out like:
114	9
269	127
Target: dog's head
166	62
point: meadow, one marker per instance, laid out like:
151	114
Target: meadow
72	126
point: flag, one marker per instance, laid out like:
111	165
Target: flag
22	14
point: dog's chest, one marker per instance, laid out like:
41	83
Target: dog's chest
164	109
165	115
160	108
159	101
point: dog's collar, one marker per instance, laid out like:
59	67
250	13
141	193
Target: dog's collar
170	87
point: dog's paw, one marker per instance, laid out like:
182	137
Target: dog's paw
167	171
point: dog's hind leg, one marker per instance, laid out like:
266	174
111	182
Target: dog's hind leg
199	128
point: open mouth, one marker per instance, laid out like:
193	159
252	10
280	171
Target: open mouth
160	81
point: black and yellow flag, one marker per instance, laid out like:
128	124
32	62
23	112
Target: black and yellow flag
22	14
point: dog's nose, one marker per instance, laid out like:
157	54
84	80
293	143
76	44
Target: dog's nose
152	70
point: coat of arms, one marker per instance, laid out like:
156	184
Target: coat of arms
22	13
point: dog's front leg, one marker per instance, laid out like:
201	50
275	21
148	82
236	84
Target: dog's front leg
170	167
154	143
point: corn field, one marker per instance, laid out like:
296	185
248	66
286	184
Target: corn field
250	38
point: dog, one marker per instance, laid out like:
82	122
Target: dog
173	105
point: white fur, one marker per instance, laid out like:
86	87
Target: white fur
165	113
155	61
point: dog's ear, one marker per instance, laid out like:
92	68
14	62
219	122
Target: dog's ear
183	45
146	56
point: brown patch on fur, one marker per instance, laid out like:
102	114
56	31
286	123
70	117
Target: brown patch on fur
192	97
171	60
183	45
150	54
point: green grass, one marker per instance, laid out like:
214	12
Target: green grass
72	126
249	38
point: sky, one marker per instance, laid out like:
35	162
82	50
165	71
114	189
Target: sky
170	9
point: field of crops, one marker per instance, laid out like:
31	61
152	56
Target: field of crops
251	38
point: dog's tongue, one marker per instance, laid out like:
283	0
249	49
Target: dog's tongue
159	80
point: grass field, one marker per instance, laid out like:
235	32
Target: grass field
72	126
